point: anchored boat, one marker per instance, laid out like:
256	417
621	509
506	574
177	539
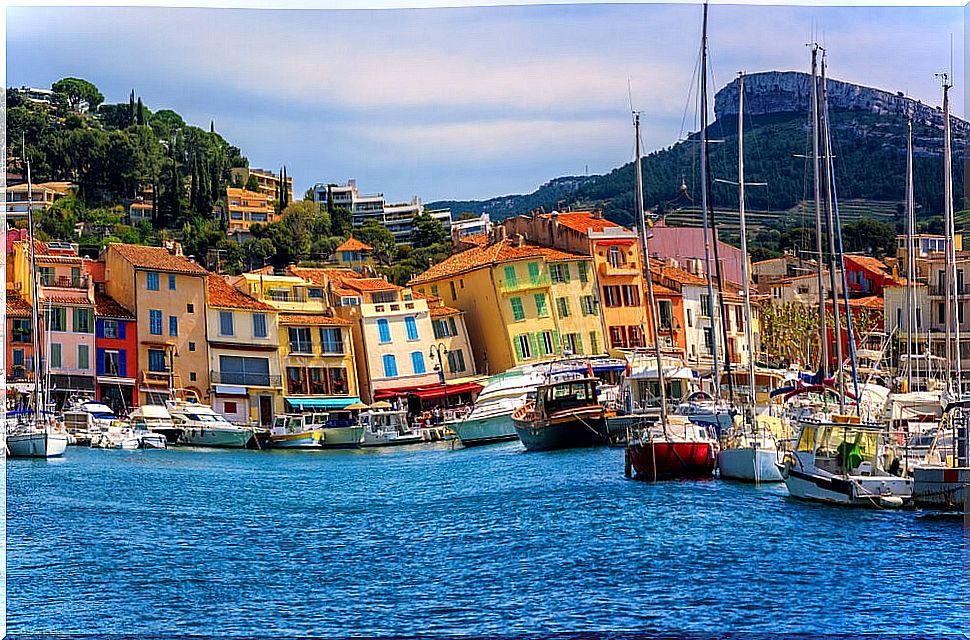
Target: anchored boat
564	415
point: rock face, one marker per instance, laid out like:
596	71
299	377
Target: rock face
790	92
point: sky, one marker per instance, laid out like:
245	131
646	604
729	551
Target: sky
461	103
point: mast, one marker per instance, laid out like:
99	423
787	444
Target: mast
818	214
654	325
910	258
35	301
746	290
951	267
830	221
707	211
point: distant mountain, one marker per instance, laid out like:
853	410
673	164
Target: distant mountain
869	142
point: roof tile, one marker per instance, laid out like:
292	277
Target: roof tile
222	294
488	255
157	258
107	307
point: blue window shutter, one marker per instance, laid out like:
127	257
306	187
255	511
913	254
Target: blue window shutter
384	329
121	329
99	330
123	363
417	362
99	361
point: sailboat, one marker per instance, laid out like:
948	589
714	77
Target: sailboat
747	451
39	435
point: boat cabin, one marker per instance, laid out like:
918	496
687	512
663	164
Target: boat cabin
563	396
846	448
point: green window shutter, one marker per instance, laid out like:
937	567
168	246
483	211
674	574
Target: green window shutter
579	344
532	343
518	313
594	343
510	280
518	347
541	309
583	274
534	272
555	342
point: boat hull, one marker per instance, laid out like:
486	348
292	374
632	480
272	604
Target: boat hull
665	460
569	432
863	491
36	445
481	431
750	464
223	438
340	437
373	440
300	440
942	487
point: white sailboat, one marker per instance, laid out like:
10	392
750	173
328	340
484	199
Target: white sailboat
40	435
749	451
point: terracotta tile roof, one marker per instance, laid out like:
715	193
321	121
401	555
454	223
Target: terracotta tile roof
107	307
442	311
222	294
340	291
370	284
156	258
869	302
583	221
868	262
489	255
475	238
311	319
660	290
17	307
675	274
353	244
81	299
320	276
244	193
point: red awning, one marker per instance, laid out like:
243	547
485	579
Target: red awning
616	241
427	392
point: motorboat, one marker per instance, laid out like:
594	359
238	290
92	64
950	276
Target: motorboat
339	429
87	420
387	428
564	415
154	419
203	427
845	462
490	420
294	431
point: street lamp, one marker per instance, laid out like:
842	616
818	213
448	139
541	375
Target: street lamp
437	352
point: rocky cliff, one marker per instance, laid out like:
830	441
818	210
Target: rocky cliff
773	92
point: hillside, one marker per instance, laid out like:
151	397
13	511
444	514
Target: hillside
868	134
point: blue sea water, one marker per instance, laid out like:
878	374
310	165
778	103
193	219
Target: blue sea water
435	540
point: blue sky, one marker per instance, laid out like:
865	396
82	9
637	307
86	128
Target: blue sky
461	102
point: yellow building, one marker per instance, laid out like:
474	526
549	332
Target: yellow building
452	340
267	181
246	207
523	303
244	363
316	348
167	292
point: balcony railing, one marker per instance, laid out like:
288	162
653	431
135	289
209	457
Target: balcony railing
286	296
20	373
330	347
301	347
245	378
618	269
65	282
937	290
525	284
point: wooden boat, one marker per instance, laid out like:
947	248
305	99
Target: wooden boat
564	415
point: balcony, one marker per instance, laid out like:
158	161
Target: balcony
245	378
156	378
331	348
385	308
301	347
539	282
619	269
20	373
286	296
937	290
65	282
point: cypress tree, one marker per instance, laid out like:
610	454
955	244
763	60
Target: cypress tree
131	108
141	113
212	126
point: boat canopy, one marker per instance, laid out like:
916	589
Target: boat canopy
300	404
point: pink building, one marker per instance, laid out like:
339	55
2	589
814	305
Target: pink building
686	246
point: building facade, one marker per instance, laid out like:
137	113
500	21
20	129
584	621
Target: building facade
116	354
244	208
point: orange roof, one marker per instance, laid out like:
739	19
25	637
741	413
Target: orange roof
868	262
319	276
869	302
488	255
369	284
17	307
244	193
107	307
583	221
674	273
222	294
660	290
353	244
157	258
442	311
311	319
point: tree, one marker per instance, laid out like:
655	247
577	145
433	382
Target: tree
427	231
252	184
789	334
341	221
78	93
377	236
870	236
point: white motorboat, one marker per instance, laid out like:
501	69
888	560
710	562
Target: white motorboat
203	427
387	428
86	420
154	419
117	436
845	463
490	420
751	454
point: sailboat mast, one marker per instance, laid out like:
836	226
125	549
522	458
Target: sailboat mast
34	293
951	233
818	214
910	257
833	231
705	199
654	325
746	286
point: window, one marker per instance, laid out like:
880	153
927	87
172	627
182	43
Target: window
534	273
440	328
453	326
18	357
665	314
83	357
259	325
112	364
510	279
300	340
83	321
21	330
58	319
314	292
226	327
523	346
618	337
547	343
229	407
156	360
456	361
171	282
594	343
155	322
919	318
384	330
708	340
390	366
151	281
338	381
191	346
454	292
434	290
690	318
412	327
296	380
417	362
192	376
588	305
562	306
559	272
55	355
573	343
542	309
331	340
705	305
634	336
173	326
518	312
615	257
245	371
46	276
631	295
109	328
190	308
583	273
611	296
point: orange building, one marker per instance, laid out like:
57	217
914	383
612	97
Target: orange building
246	207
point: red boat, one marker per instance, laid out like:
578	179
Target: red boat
683	450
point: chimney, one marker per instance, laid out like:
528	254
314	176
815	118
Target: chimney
597	214
500	233
519	240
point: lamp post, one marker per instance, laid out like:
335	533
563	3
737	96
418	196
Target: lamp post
437	351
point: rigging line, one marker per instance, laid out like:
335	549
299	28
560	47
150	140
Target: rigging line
690	95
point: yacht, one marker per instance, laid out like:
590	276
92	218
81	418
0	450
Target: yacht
387	428
340	429
29	436
490	420
203	427
294	431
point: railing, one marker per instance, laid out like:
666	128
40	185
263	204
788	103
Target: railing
937	290
333	348
525	284
285	296
65	282
301	347
619	269
20	373
156	377
21	337
245	378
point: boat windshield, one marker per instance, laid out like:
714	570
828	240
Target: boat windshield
280	422
848	445
207	417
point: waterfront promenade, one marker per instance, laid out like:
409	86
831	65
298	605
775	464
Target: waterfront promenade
435	540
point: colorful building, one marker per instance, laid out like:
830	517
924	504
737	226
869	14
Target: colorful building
244	364
267	182
243	208
356	255
116	354
20	350
523	302
451	340
167	293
